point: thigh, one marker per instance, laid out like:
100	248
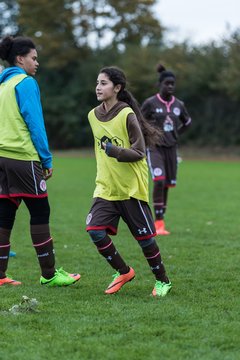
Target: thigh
4	191
156	163
39	210
103	215
138	216
171	166
7	213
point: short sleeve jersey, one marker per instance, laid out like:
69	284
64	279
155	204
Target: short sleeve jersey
167	116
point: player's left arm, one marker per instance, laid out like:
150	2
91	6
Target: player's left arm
184	118
28	98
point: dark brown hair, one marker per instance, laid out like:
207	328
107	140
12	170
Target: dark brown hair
117	76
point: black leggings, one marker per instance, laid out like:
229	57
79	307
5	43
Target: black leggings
38	208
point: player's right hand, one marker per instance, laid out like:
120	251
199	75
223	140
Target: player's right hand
47	173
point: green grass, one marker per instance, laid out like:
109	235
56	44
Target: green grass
198	320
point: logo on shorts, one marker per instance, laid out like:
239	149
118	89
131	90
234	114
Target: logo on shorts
89	218
43	185
176	111
142	231
157	172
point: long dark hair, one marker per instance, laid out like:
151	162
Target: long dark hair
11	47
117	76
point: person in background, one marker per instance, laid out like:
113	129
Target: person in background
122	180
25	160
164	111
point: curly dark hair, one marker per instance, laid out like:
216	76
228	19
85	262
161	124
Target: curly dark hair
11	47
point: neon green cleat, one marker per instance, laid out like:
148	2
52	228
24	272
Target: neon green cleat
60	278
161	288
75	276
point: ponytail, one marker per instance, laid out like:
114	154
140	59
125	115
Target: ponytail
164	73
151	134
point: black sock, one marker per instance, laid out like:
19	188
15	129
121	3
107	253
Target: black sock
4	250
107	249
158	199
153	256
158	211
43	245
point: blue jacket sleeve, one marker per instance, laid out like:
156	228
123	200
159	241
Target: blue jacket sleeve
28	99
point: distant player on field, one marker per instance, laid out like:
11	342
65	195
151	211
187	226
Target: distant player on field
164	111
122	180
25	160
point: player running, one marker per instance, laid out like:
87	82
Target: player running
122	180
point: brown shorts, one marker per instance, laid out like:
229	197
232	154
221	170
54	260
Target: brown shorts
19	178
105	215
162	163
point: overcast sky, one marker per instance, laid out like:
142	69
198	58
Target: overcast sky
199	21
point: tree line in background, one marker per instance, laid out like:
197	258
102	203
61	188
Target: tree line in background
77	38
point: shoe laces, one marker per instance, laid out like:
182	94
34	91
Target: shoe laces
114	276
61	270
9	276
159	284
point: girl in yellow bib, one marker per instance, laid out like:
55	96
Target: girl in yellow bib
120	134
25	160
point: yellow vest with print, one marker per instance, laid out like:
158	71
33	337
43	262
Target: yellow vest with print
15	140
117	180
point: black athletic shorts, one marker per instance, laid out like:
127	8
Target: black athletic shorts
105	215
162	163
19	178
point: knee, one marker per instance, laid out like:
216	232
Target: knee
97	235
147	242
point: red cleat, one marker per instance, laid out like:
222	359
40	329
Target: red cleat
9	281
119	280
160	228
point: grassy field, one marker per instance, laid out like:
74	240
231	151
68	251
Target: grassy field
198	320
